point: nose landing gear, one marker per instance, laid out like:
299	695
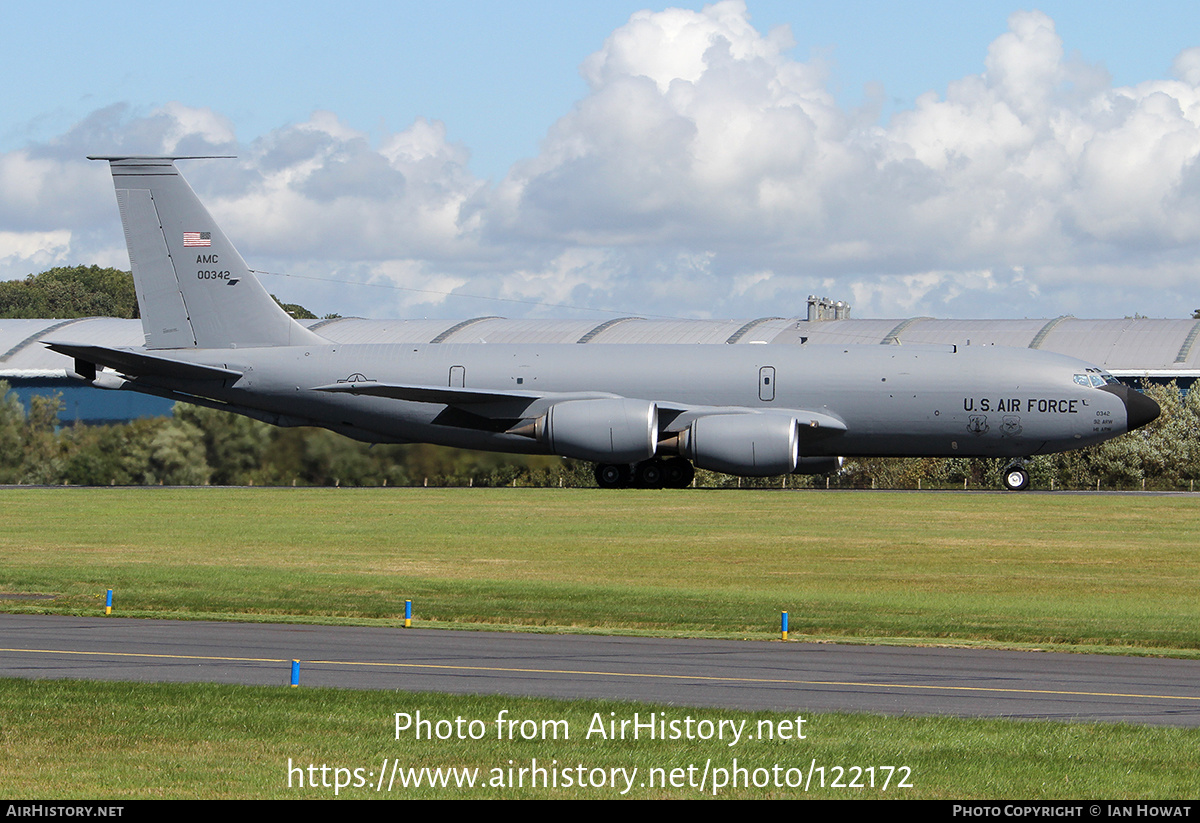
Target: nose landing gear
1016	477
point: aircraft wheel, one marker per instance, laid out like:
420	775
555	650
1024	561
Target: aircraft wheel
649	474
677	473
611	476
1016	479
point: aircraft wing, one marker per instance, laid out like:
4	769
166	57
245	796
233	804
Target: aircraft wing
515	404
138	363
452	396
681	415
613	429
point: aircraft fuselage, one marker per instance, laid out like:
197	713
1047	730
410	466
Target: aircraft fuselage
894	400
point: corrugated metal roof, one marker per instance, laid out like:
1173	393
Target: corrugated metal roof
836	332
669	331
21	346
468	327
595	332
361	330
1016	333
747	328
767	330
529	331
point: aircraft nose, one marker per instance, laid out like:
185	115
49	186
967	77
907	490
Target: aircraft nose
1139	409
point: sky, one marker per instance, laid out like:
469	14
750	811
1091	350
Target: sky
586	159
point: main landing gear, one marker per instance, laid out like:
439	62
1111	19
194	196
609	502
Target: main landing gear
672	473
1016	477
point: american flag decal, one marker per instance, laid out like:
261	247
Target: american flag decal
197	238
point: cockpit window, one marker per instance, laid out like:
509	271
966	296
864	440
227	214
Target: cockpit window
1096	378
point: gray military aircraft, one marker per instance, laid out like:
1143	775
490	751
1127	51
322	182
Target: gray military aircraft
644	414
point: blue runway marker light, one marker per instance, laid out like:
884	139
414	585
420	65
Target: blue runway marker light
783	625
108	603
408	614
295	673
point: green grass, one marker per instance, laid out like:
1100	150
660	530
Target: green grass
1058	571
1073	571
124	741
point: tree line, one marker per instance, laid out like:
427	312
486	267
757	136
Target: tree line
67	292
70	291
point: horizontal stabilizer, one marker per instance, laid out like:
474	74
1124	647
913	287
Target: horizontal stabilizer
135	363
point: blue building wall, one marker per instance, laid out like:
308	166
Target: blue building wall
84	404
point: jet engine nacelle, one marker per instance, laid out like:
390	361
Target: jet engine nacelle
616	430
751	445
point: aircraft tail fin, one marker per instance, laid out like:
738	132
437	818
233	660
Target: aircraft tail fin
193	288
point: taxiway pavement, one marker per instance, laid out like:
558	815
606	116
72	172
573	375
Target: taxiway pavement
747	675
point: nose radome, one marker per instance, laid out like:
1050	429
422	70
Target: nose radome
1139	409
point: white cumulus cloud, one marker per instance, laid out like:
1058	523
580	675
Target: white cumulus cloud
705	172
